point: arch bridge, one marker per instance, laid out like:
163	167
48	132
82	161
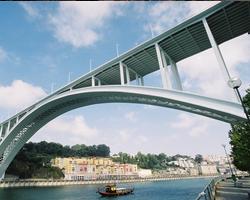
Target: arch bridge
122	78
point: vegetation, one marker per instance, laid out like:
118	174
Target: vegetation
33	160
148	161
198	158
240	140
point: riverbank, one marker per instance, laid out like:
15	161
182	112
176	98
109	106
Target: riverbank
53	183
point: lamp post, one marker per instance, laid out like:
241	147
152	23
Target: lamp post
235	83
224	146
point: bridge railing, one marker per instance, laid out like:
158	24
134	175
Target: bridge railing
208	192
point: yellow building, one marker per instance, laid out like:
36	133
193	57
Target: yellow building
93	168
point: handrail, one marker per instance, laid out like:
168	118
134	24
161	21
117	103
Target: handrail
208	193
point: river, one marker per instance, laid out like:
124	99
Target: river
186	189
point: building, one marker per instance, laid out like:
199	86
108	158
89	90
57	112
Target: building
144	173
193	171
92	168
208	169
183	162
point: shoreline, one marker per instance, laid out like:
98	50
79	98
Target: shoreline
54	183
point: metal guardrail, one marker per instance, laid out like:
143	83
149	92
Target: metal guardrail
208	192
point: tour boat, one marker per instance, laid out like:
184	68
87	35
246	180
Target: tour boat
112	190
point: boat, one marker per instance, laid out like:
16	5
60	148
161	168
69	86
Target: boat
111	190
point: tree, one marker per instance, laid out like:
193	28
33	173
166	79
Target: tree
34	159
103	150
198	158
240	140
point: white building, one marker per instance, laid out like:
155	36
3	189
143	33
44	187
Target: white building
208	169
183	162
144	173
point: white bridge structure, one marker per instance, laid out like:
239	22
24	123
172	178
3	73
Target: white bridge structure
121	79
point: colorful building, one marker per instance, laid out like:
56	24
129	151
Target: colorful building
92	168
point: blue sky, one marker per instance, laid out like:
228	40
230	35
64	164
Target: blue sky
41	43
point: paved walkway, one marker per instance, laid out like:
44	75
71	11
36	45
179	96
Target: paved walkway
226	190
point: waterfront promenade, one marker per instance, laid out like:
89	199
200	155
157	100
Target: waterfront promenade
227	190
51	183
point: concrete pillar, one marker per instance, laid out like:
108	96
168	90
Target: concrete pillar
161	66
1	129
175	77
127	75
142	81
93	81
218	54
99	82
2	177
8	128
121	73
137	79
166	70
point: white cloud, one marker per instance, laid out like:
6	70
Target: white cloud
204	72
131	116
167	14
183	121
197	7
150	107
128	140
124	136
192	125
3	55
19	95
31	10
68	130
80	23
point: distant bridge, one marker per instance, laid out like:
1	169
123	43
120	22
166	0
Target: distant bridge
121	79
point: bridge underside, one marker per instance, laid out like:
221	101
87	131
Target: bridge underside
53	107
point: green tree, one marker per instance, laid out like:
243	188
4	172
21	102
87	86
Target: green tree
240	140
102	150
34	159
198	158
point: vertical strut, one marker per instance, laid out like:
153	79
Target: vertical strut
121	73
161	66
93	81
175	76
142	81
218	54
127	75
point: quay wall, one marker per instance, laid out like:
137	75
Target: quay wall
51	183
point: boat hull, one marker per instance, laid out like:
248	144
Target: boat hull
117	193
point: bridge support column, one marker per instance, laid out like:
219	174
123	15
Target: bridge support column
128	71
174	79
218	54
142	81
93	81
1	129
8	128
99	82
163	67
127	75
137	79
175	76
121	73
2	177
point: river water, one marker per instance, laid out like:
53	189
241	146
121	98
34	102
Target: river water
186	189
